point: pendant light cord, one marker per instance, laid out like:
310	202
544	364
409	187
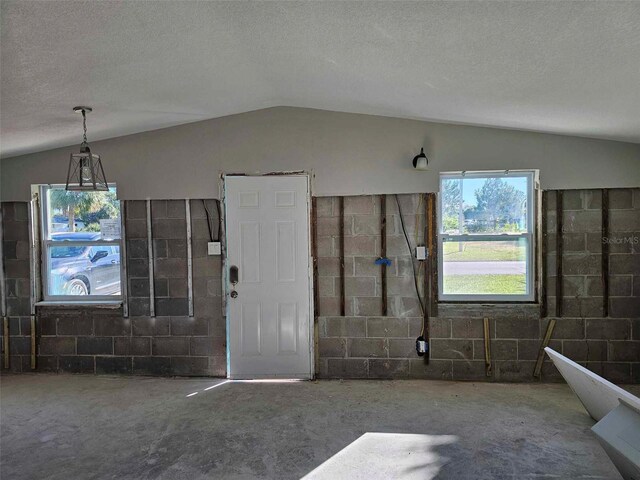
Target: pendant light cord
84	126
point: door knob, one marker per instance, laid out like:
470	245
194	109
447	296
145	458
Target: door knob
233	278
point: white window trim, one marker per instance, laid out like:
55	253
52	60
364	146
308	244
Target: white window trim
528	297
46	243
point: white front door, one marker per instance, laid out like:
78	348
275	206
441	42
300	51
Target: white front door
269	321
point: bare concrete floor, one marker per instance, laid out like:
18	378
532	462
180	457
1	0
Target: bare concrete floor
95	427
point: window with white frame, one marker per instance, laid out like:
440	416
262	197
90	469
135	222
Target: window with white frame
486	240
81	240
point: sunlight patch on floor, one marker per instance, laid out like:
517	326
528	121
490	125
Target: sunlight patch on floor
276	380
387	455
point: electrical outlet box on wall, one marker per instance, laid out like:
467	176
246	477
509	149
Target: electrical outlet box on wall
421	253
214	248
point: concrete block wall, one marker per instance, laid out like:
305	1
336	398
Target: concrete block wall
100	340
15	248
582	253
168	226
608	346
384	347
361	249
137	257
365	345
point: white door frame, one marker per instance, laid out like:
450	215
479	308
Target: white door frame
225	284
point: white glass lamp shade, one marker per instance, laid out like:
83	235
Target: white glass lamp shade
420	161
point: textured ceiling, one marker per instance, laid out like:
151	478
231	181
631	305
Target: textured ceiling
562	67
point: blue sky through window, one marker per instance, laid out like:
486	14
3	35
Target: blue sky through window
470	185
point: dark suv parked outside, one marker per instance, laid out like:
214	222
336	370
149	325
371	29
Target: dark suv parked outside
84	270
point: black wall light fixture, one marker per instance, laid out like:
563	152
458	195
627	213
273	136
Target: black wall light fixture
420	161
85	172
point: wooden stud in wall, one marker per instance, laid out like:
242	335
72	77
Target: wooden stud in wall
341	232
314	255
426	278
433	251
124	260
543	255
152	296
316	294
5	341
383	252
605	252
559	246
36	278
487	347
537	370
33	342
187	214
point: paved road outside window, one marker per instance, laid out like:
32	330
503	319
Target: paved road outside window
484	268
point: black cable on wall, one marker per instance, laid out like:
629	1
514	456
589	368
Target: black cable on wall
209	222
413	266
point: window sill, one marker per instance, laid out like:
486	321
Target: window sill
487	304
482	308
86	303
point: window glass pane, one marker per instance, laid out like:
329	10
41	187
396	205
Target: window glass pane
484	205
86	216
497	267
84	270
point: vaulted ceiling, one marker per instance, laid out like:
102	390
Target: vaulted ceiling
562	67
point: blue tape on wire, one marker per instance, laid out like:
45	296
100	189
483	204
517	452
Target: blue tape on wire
383	261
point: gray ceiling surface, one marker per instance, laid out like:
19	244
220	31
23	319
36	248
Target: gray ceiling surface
551	66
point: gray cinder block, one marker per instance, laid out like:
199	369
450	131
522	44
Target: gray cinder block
95	345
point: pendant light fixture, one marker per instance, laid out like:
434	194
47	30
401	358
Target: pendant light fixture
85	172
420	161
